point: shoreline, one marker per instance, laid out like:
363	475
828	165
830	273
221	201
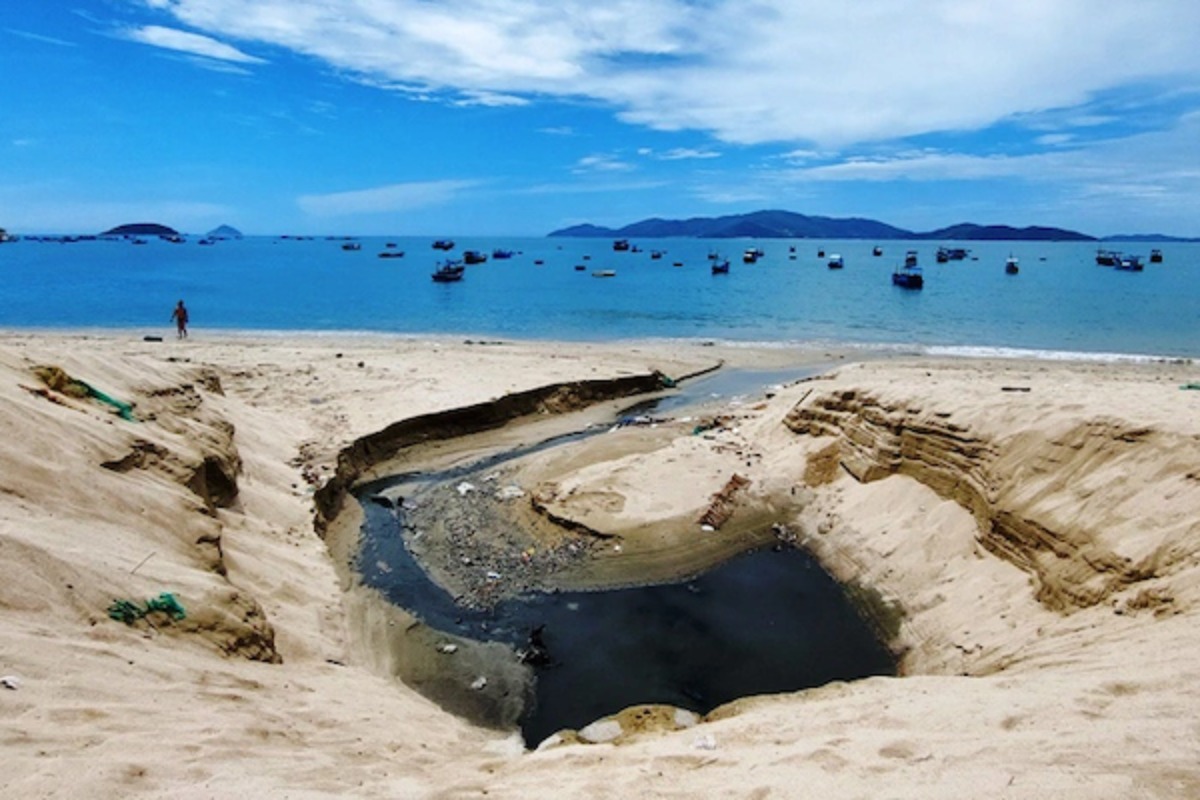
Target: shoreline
1034	539
842	350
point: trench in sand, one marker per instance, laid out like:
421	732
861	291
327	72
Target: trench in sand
767	618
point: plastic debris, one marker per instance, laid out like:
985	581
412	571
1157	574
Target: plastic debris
464	488
129	612
705	742
10	682
509	493
447	648
479	683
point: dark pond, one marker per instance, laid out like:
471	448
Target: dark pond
763	622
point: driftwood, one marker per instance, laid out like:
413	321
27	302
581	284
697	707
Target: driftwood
720	508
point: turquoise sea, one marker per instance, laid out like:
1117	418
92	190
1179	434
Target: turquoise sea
1061	302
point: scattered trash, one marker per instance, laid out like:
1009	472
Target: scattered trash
705	742
1194	385
1014	388
492	575
509	493
479	683
707	528
464	488
447	648
129	612
720	508
10	682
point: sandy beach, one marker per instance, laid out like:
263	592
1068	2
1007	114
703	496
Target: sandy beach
1029	533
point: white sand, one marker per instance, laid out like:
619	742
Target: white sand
1044	545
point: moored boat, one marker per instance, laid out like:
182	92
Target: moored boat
474	257
1108	258
720	266
908	278
835	261
449	272
443	244
604	273
910	258
621	245
1156	256
499	254
877	251
1011	265
1130	263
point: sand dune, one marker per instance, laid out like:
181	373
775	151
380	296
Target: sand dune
1034	527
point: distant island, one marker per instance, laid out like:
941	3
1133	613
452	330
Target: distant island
790	225
141	229
224	232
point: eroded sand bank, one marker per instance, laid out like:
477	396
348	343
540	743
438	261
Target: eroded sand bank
1037	524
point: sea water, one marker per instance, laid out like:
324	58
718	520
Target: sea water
1060	302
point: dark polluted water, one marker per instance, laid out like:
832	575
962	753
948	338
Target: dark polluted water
763	622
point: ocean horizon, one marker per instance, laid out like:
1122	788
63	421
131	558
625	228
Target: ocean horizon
1060	305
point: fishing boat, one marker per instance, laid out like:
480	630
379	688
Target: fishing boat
474	257
443	244
604	273
449	272
1130	264
351	246
1108	258
720	266
909	276
621	245
1011	265
1156	256
945	254
835	261
752	255
500	254
656	254
877	251
391	254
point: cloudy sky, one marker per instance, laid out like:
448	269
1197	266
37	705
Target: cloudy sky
446	117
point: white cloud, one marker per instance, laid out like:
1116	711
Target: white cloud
602	162
191	43
684	153
37	37
748	72
491	99
383	199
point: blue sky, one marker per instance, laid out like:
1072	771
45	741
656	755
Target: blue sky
503	117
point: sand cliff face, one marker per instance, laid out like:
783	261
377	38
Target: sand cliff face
1062	502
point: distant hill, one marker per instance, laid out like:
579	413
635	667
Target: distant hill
969	231
141	229
1146	237
224	232
790	225
759	224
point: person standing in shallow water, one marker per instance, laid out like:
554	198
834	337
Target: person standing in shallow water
180	315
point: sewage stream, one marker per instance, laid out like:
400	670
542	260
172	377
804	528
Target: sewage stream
762	622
